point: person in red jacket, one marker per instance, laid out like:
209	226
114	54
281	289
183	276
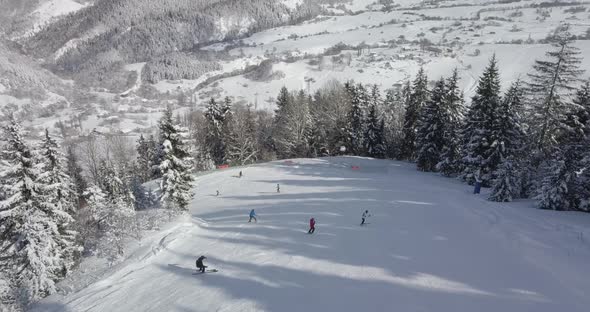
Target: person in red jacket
311	226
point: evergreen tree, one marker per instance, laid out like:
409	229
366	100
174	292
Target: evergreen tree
414	104
110	218
215	140
292	125
430	131
302	124
58	191
144	159
478	128
553	193
508	141
581	145
452	114
374	135
75	173
142	198
329	110
571	181
393	112
357	124
242	141
176	178
283	137
550	85
228	135
507	183
31	258
157	154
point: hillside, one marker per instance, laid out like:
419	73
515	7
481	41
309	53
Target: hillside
139	55
430	245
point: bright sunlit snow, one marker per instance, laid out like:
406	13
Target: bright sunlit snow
430	245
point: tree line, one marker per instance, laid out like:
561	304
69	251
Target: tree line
532	141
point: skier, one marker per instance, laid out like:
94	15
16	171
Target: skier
477	186
252	216
200	264
240	174
365	216
311	226
217	194
278	188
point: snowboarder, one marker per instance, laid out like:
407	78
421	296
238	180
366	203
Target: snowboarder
240	175
200	264
278	188
252	216
217	194
365	216
311	226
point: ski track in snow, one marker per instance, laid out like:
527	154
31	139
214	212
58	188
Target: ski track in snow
431	245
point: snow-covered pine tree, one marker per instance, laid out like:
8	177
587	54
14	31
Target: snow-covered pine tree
508	142
357	125
215	116
553	193
31	258
301	124
144	159
328	111
374	135
414	104
452	112
507	183
283	134
549	87
573	147
90	217
582	178
156	150
143	199
564	182
242	147
116	224
478	125
176	166
393	112
430	129
58	191
228	135
75	173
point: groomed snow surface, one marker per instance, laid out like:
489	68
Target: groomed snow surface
431	245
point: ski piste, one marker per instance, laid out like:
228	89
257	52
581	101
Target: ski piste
435	247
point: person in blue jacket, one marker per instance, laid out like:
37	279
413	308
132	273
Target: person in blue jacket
252	216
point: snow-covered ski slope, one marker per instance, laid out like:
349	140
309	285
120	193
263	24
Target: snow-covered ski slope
431	246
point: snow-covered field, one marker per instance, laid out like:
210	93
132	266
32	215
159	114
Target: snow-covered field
430	246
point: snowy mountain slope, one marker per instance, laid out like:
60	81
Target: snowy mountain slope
430	246
369	41
394	44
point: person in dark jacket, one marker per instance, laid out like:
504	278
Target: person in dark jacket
200	264
311	226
